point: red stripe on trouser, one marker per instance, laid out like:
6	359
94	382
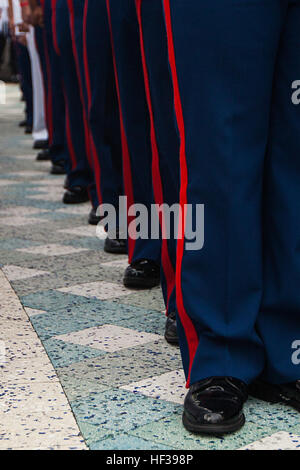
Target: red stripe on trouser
53	22
189	329
76	58
97	167
156	176
125	150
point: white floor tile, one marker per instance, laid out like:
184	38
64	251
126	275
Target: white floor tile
80	209
81	231
278	441
31	312
100	290
17	273
119	263
20	221
21	211
108	338
49	197
52	250
51	182
4	182
169	387
28	174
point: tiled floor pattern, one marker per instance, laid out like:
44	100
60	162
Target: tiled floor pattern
124	384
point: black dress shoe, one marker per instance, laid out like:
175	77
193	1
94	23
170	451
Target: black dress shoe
94	219
115	246
43	155
171	335
23	123
28	130
41	144
75	195
58	168
215	406
288	394
142	274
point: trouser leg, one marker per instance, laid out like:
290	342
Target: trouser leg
279	318
135	129
39	115
79	172
222	61
164	136
102	104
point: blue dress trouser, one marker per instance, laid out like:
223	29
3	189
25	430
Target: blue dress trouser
101	114
134	119
233	66
79	170
76	14
55	105
102	103
164	135
24	69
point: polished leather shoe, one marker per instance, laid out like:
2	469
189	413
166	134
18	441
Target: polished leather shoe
75	195
94	219
115	246
171	335
58	168
40	144
142	274
288	394
28	130
23	123
43	155
215	406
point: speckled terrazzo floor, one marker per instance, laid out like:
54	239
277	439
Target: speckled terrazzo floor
110	367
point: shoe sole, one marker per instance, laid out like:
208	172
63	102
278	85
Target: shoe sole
229	427
57	172
82	201
94	221
38	147
140	284
171	340
116	251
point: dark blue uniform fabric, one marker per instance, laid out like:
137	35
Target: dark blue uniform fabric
134	117
154	41
238	298
93	49
24	69
76	11
55	104
79	170
102	103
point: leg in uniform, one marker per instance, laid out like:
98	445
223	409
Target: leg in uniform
233	65
79	168
24	69
144	254
164	140
102	111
